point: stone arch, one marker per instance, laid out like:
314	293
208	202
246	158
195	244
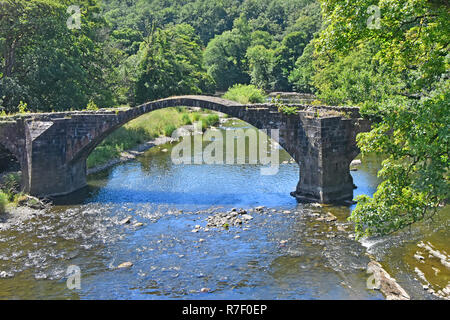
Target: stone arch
256	117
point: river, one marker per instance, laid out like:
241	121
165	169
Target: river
284	252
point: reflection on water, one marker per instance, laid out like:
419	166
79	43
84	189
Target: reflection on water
276	255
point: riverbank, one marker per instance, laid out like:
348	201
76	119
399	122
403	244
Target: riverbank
131	154
123	156
136	134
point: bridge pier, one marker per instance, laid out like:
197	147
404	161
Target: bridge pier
327	147
324	183
52	171
53	180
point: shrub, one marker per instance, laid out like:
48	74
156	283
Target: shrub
101	155
169	129
196	117
23	107
91	106
186	120
11	184
211	120
284	108
3	202
245	94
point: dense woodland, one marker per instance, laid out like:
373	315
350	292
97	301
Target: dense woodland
131	51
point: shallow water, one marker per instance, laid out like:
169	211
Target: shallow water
276	255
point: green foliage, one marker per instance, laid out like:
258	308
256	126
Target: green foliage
356	78
128	52
91	106
411	46
170	65
3	202
245	94
225	58
209	18
186	119
261	63
169	129
309	20
286	55
210	120
102	154
10	185
303	74
284	108
195	117
416	172
262	38
40	52
23	107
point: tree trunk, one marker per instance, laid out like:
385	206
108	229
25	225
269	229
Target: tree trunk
10	57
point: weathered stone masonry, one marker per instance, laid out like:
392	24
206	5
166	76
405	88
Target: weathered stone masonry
52	148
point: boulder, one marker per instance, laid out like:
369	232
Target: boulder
385	283
125	265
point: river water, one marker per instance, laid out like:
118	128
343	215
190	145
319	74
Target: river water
284	252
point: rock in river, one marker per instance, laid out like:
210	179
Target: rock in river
125	265
127	220
388	286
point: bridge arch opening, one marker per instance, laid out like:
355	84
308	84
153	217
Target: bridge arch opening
160	124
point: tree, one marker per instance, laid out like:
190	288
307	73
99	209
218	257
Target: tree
412	44
225	56
286	55
355	78
209	18
262	38
308	20
171	64
41	52
261	62
302	75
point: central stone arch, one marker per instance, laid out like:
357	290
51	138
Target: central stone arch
256	117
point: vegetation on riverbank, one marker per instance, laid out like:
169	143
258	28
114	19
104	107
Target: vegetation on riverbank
145	128
3	202
9	190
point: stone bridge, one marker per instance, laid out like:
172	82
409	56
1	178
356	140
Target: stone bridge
52	148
